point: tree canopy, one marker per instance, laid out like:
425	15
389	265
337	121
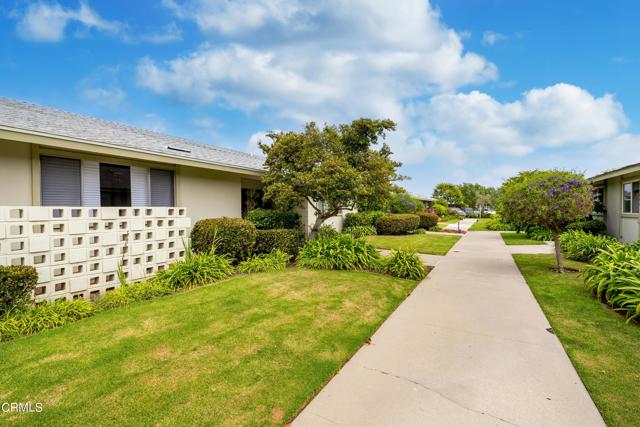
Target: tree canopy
450	193
332	168
548	199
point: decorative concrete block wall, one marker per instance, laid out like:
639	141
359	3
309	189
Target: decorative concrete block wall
77	250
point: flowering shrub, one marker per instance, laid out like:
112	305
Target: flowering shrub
548	199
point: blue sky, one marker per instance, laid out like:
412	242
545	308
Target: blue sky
480	89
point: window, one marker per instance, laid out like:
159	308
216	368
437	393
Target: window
60	181
161	187
631	197
598	200
252	199
115	185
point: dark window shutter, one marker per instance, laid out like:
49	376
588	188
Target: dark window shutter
60	182
161	187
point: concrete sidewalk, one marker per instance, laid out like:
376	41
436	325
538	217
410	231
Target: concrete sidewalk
463	224
469	347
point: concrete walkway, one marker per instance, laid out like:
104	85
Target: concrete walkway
469	347
431	260
465	224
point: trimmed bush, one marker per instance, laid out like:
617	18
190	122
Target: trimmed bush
404	264
274	261
496	224
326	231
340	252
285	240
361	218
397	224
358	231
234	237
592	226
613	277
16	284
27	321
427	220
196	270
581	246
440	210
269	219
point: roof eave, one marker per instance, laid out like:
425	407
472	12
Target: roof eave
58	141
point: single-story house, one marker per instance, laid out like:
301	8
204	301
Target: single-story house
79	195
617	197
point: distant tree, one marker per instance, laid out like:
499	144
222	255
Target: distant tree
548	199
482	201
449	193
470	193
333	168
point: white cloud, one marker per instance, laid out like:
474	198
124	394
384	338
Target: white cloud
490	38
169	33
108	97
43	22
252	145
556	116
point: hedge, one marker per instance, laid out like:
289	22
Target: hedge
269	219
592	226
16	284
397	224
361	218
285	240
427	220
232	236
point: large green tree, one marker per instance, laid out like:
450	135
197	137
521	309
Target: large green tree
332	168
450	193
548	199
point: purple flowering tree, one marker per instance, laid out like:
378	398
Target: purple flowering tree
548	199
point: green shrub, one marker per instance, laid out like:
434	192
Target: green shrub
440	210
592	226
234	237
404	264
16	284
397	224
496	224
614	278
361	218
435	228
274	261
269	219
581	246
196	270
27	321
341	252
540	234
360	230
139	291
404	203
285	240
326	231
427	220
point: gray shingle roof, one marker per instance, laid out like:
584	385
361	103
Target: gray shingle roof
20	115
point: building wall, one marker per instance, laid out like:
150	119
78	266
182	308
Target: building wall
308	219
209	194
613	203
15	174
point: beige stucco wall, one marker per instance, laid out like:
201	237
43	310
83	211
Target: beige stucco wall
15	174
208	194
308	218
613	204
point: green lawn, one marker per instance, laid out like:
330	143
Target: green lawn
511	238
480	225
433	244
603	348
251	350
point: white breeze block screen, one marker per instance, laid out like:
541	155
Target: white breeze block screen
77	250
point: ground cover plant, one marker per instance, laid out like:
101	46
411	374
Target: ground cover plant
512	238
614	277
339	252
405	264
434	244
581	246
602	347
275	260
360	230
541	234
251	350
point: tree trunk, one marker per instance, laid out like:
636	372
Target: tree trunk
316	225
556	243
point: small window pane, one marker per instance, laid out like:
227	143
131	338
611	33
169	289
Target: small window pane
626	198
115	185
635	201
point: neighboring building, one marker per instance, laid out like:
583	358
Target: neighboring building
428	201
618	196
80	196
